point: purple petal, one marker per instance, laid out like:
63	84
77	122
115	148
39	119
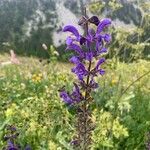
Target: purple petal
66	97
107	38
94	20
71	29
76	88
82	40
103	24
75	47
76	95
101	61
74	60
99	42
80	71
101	71
69	40
103	50
93	84
89	56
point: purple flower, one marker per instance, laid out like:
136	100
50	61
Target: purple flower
72	98
80	71
94	20
76	48
74	60
66	97
69	40
72	29
99	42
93	84
11	128
101	61
76	94
89	56
104	23
101	71
107	38
100	51
82	40
11	146
103	50
97	69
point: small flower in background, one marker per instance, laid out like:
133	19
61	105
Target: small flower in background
51	51
37	77
13	58
114	81
56	53
44	46
11	139
23	86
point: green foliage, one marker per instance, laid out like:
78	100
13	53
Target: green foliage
30	101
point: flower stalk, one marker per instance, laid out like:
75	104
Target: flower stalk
86	48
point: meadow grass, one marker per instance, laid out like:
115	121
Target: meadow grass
29	100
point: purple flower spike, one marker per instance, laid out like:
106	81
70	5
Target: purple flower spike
104	23
71	29
87	47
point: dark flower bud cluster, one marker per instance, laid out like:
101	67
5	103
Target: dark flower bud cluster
87	47
11	138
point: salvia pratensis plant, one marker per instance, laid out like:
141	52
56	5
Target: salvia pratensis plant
11	139
87	48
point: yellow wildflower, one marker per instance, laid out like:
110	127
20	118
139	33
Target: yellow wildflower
9	112
113	81
37	77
